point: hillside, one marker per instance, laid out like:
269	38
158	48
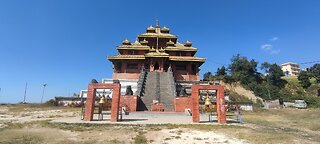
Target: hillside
293	86
292	91
239	93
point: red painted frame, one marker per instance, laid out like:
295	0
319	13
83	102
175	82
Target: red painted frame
88	116
221	112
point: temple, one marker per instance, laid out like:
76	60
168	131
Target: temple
156	50
159	63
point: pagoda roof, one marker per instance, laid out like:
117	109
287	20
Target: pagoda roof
186	58
133	47
156	54
171	48
180	47
159	35
127	57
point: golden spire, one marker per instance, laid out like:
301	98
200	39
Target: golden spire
157	22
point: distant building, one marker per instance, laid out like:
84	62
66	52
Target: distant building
290	69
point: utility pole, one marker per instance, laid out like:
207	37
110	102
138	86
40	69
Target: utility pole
44	86
25	93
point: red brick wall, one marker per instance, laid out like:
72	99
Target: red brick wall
183	75
181	103
157	107
130	102
133	76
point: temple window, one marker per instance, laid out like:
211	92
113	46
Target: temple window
132	66
194	69
181	54
131	52
181	67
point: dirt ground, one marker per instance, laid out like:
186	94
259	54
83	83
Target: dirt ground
26	123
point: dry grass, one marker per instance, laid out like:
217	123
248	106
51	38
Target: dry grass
16	108
261	126
283	126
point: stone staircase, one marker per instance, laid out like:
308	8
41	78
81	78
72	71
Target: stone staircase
159	86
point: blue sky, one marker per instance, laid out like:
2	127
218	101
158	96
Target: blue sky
64	43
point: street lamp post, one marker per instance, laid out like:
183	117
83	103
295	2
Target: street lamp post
44	86
25	93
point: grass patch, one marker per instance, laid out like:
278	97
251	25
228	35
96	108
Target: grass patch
23	139
78	142
29	107
140	138
116	141
179	132
79	127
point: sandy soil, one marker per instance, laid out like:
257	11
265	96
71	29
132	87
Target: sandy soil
53	125
189	136
115	134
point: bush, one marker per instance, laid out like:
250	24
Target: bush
52	102
312	101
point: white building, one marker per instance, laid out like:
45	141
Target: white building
290	69
108	92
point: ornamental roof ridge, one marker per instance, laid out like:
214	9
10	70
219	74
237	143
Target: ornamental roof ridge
167	35
125	57
132	46
180	47
186	58
156	54
136	43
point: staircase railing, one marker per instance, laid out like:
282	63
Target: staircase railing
158	86
141	83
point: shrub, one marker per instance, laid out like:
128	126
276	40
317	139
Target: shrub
312	101
52	102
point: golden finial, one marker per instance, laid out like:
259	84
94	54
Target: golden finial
157	22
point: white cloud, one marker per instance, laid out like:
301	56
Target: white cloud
269	48
275	52
274	39
266	47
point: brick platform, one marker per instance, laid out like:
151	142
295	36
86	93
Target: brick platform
182	103
130	102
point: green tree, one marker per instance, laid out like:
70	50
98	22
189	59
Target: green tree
207	76
315	72
244	70
221	71
305	76
273	74
304	79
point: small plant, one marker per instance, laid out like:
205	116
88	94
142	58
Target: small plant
167	139
140	138
197	138
179	132
115	141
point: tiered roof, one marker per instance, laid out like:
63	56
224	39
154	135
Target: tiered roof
158	33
